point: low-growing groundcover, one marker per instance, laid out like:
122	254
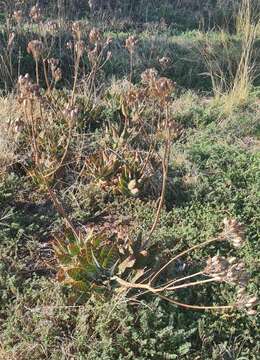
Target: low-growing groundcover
216	176
111	166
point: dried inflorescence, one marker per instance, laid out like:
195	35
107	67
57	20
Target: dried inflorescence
163	88
94	36
158	87
164	62
233	232
134	96
27	89
35	48
227	270
54	63
36	14
131	43
56	71
77	30
51	26
246	302
18	16
57	74
149	76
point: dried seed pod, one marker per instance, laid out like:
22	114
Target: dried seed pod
163	87
164	62
35	13
54	63
233	232
27	88
228	270
94	36
216	267
35	48
149	76
51	26
77	30
246	302
57	74
18	16
131	43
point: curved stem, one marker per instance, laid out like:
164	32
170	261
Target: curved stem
182	254
197	307
184	278
195	283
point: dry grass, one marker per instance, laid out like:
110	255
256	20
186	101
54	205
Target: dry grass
232	88
9	113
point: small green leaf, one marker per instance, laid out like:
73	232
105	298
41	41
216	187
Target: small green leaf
77	273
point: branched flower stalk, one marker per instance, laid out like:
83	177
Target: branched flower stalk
163	87
79	50
35	48
218	269
130	45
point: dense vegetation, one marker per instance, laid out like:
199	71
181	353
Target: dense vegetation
129	179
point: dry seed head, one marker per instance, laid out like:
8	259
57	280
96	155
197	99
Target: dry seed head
54	63
237	274
18	16
149	76
79	48
57	74
77	30
164	62
27	88
35	48
94	36
134	96
228	270
51	26
131	43
246	302
35	13
215	266
163	87
233	232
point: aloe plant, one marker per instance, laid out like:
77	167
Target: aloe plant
86	262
